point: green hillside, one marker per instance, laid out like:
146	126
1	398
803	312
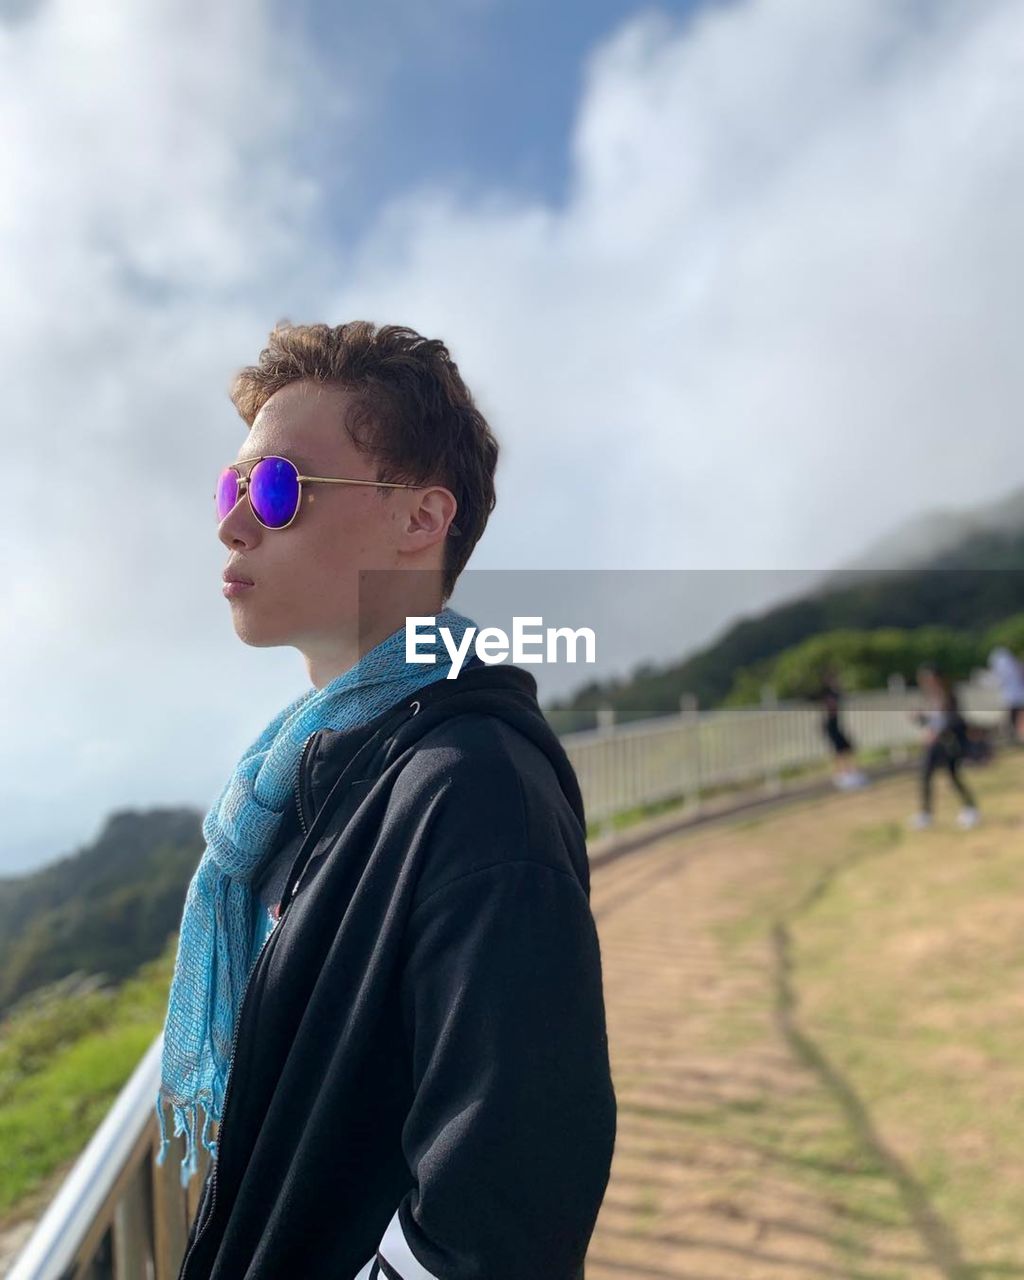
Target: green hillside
65	1052
104	910
866	659
969	600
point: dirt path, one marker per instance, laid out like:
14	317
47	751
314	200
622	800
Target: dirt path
732	1161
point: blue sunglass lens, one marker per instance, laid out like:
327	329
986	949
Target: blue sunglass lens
274	491
227	492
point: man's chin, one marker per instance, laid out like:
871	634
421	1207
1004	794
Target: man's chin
258	636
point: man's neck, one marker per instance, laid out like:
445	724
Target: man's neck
327	666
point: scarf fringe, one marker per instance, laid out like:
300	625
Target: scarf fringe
186	1121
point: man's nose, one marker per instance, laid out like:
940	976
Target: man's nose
240	528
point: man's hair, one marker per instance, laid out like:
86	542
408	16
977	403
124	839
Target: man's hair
412	412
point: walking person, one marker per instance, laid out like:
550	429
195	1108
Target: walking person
846	775
1008	672
387	994
946	746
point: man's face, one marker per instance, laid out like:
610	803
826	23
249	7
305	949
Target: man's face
306	577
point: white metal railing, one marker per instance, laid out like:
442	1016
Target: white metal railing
118	1216
677	758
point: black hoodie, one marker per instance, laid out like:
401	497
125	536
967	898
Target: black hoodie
420	1085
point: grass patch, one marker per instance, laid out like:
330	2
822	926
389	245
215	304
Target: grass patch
906	974
65	1053
910	974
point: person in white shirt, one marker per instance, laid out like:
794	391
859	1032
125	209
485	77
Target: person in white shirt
1009	675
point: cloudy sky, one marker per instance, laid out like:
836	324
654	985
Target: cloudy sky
738	285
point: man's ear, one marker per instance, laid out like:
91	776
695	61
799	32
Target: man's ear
433	513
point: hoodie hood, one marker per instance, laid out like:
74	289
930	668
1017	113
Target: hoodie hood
497	689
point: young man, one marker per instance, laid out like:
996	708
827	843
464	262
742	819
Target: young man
388	986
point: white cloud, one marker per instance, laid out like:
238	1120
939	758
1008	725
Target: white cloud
154	228
775	315
778	309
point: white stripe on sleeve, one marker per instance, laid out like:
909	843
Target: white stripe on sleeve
394	1249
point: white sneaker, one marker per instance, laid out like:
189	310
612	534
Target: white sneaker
920	821
968	817
850	781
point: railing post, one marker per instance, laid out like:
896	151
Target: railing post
690	713
132	1227
170	1211
897	687
606	727
769	705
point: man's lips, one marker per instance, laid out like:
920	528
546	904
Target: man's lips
235	584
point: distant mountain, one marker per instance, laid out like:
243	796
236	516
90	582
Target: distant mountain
966	570
104	910
965	534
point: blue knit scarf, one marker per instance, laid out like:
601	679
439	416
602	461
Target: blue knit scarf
224	924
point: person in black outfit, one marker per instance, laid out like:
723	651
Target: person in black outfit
847	776
946	746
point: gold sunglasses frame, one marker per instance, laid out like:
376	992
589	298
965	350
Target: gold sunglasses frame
243	490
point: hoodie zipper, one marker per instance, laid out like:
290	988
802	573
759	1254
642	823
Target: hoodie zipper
415	707
238	1024
224	1109
298	777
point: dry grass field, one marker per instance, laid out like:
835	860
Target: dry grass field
817	1030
